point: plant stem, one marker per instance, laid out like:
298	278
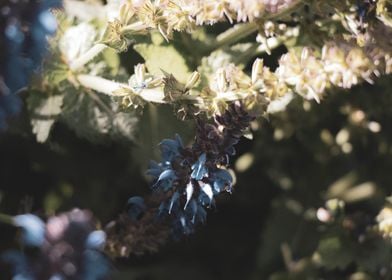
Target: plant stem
87	56
154	95
234	34
6	219
284	12
108	87
242	30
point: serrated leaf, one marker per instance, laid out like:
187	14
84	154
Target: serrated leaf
167	58
44	112
98	118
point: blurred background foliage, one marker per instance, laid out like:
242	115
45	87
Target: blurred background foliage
271	227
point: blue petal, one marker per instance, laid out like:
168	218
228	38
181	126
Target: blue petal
193	210
162	210
201	215
154	169
222	180
96	240
166	179
204	199
167	175
171	148
33	229
189	192
206	188
173	200
199	168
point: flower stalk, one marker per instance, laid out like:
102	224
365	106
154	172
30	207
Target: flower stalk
86	57
154	95
109	87
234	34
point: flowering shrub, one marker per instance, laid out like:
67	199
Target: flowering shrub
215	64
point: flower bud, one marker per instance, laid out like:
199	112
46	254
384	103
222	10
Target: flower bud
140	71
257	70
192	81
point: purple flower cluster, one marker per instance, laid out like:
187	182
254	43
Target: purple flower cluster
191	177
67	247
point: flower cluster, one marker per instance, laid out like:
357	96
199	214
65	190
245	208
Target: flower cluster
308	71
189	178
340	65
140	84
67	247
136	17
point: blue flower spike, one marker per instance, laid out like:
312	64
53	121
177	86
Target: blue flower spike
191	177
206	197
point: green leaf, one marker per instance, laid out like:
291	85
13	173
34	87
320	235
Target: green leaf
335	253
98	118
112	60
44	111
285	224
162	57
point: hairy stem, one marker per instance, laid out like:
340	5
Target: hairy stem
155	95
109	87
242	30
234	34
86	57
